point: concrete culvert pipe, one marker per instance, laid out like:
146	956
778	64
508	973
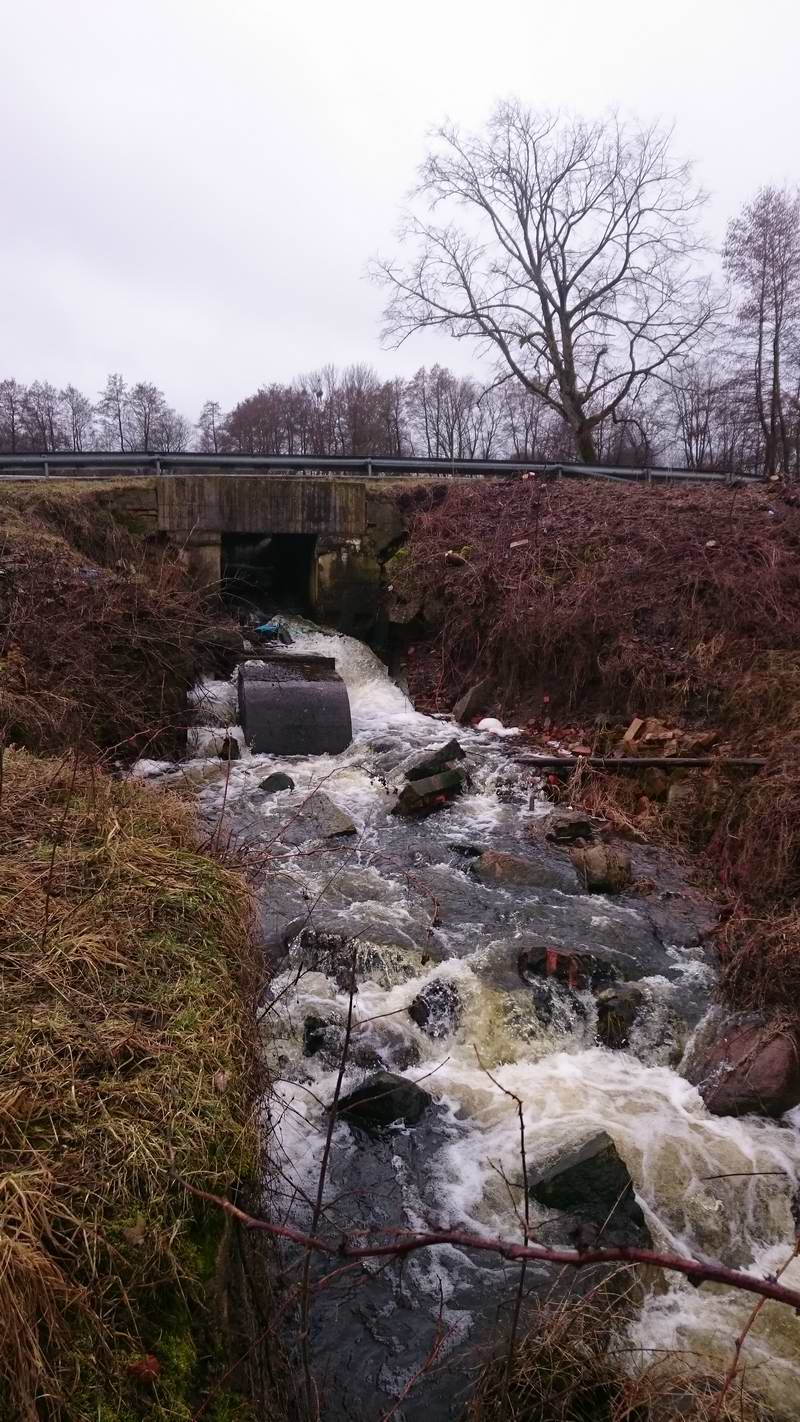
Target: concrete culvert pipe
294	705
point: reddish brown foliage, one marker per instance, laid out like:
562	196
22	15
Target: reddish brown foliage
620	599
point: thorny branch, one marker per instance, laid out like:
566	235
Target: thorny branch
404	1242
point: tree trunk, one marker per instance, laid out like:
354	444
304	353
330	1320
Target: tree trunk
584	439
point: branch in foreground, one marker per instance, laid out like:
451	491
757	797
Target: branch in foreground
406	1242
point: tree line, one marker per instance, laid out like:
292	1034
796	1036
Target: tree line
570	252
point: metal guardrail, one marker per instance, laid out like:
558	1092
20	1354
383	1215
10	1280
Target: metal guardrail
367	466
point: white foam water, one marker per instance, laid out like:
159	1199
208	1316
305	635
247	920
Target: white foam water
710	1187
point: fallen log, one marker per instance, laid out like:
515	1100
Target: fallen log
642	762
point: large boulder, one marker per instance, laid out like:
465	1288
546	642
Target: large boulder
603	868
433	761
575	968
437	1008
590	1182
317	817
384	1100
741	1063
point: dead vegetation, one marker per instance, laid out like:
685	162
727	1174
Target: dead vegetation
595	605
101	635
616	601
573	1365
126	1041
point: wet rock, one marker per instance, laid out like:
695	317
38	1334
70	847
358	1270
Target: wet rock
437	1009
421	797
576	969
275	782
319	1033
230	749
318	817
567	827
590	1182
617	1009
512	870
603	868
386	1043
741	1063
473	701
325	1037
383	1100
335	955
434	761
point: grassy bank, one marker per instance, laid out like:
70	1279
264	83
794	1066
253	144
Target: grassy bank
586	604
129	972
126	1043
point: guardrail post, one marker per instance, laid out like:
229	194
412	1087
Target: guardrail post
158	467
46	468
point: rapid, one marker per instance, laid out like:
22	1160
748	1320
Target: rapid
711	1187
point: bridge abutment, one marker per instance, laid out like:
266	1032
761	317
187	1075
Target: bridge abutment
345	528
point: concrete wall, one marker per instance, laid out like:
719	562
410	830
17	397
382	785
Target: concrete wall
357	524
233	503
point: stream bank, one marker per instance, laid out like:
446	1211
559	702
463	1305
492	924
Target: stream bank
130	973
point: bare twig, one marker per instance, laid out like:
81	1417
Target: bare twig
526	1213
740	1341
404	1242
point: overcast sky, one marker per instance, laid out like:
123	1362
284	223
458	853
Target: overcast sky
192	189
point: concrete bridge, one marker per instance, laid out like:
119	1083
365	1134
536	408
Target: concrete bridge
315	542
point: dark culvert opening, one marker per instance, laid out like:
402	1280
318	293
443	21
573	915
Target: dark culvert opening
272	570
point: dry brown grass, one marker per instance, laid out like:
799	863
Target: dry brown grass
101	635
572	1366
626	601
126	1037
680	603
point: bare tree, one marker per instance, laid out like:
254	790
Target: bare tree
172	431
12	404
762	258
112	408
573	262
41	417
210	427
78	414
146	407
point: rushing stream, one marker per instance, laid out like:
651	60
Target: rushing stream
406	891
